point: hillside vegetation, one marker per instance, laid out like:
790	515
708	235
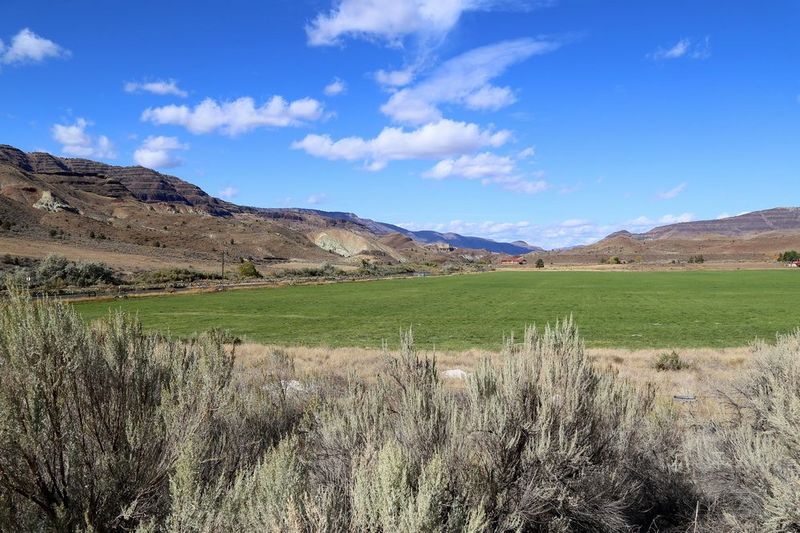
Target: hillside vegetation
106	428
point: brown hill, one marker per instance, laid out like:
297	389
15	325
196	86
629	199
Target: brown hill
756	236
86	209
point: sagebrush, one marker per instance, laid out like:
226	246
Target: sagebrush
107	428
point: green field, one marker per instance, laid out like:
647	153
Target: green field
612	309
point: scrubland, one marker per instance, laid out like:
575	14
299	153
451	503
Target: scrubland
104	427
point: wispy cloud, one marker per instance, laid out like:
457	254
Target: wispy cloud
161	87
465	80
685	47
391	21
672	193
569	232
76	141
436	140
237	116
399	77
335	88
159	152
316	199
228	193
27	47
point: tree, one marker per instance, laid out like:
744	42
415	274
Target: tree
540	263
248	270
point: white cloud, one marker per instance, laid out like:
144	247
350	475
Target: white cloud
27	47
569	232
388	20
162	87
526	153
676	219
157	152
401	77
76	141
478	166
464	80
443	138
237	116
335	88
490	169
228	192
672	193
316	199
684	48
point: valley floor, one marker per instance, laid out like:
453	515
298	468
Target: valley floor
636	310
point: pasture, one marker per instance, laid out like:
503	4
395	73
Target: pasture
612	309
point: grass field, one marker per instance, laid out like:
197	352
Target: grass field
612	309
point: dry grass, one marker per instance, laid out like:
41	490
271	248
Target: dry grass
710	370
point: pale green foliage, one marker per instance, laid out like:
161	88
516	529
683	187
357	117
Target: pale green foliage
105	427
750	469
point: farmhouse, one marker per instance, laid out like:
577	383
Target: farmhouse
518	260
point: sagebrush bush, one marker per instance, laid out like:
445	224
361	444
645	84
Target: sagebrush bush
107	428
543	442
670	361
55	272
94	421
748	468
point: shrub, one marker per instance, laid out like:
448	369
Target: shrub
748	469
106	428
100	428
670	361
540	263
697	259
248	270
55	271
176	275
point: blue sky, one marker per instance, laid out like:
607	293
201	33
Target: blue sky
555	122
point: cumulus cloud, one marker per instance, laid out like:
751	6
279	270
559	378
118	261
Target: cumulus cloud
478	166
237	116
489	168
444	138
335	88
316	199
77	142
161	87
672	193
228	193
159	152
465	80
401	77
387	20
27	47
684	48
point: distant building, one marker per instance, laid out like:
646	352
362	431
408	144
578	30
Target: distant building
444	247
519	260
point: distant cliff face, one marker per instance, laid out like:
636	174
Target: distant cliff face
778	219
138	183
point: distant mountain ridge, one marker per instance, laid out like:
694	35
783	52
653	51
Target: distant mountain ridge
755	222
151	187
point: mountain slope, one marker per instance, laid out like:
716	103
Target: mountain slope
88	205
758	236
